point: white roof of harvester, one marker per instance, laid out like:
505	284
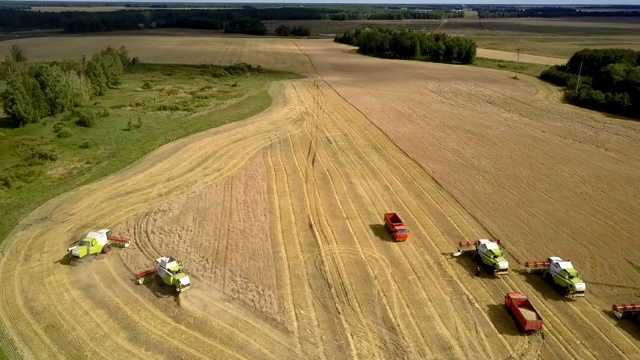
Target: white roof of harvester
563	264
94	235
491	245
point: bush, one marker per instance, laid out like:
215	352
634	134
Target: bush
36	154
558	75
218	74
57	127
85	145
86	119
5	181
169	107
104	113
147	85
64	133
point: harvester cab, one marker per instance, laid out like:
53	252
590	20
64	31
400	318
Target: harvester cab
486	252
96	242
559	273
167	271
631	311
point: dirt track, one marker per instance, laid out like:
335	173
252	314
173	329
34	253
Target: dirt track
543	176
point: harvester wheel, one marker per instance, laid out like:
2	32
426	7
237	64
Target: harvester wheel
106	249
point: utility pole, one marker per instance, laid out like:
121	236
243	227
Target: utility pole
579	73
518	59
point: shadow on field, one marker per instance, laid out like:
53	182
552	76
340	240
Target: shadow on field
629	326
548	291
502	319
381	232
466	262
65	260
6	123
160	290
68	260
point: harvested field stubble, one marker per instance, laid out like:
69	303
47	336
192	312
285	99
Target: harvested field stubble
221	232
517	163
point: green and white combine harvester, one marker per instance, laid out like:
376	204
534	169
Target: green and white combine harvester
96	242
559	273
487	253
167	271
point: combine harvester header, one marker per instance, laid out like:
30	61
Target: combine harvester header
631	311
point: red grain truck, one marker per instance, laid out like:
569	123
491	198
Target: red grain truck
526	316
394	225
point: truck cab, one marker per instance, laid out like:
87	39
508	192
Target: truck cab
396	227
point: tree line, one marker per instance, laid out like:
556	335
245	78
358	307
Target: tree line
546	12
408	44
37	90
602	79
245	26
298	30
84	22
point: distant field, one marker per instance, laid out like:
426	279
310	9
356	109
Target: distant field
106	8
544	37
76	8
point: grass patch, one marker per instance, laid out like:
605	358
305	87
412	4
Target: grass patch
523	68
37	163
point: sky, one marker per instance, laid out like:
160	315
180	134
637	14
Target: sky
455	2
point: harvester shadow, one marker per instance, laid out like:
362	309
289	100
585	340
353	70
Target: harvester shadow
67	260
502	319
159	291
628	325
548	291
381	232
466	261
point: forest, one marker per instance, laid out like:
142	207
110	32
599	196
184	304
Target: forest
402	43
35	91
546	12
601	79
85	22
298	30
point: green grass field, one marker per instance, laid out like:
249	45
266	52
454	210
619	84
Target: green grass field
155	105
523	68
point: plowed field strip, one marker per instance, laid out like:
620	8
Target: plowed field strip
443	244
426	194
344	197
303	296
283	269
378	173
